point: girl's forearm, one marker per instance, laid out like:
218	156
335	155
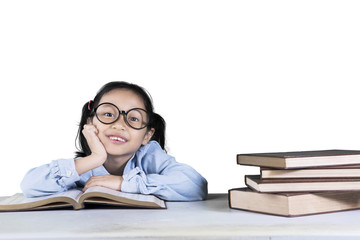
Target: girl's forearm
85	164
55	177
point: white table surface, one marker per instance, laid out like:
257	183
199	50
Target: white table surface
211	219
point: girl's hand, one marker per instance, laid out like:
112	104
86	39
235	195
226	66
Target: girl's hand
98	153
109	181
97	148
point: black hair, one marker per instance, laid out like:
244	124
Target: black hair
155	121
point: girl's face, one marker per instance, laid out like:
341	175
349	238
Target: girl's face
118	138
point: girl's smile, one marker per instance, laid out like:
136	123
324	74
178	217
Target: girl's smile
117	139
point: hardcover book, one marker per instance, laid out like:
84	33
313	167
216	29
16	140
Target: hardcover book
293	204
77	199
302	184
348	171
303	159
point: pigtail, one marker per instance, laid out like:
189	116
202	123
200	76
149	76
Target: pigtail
159	124
83	147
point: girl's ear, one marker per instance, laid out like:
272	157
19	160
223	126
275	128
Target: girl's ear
148	136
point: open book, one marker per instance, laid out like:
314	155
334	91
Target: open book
77	199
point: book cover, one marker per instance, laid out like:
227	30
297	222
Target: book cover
293	204
302	184
348	171
301	159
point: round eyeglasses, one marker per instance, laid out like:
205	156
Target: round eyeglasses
108	113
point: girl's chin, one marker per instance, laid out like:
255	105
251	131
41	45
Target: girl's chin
119	150
114	155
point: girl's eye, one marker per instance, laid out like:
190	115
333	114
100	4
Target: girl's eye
133	119
109	115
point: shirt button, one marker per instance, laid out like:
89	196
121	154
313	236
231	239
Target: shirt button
68	173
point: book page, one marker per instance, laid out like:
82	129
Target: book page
19	198
131	196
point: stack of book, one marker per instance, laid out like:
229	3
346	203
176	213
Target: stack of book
300	183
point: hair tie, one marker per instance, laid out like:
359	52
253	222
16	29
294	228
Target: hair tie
89	104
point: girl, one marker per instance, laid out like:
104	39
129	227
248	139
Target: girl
121	147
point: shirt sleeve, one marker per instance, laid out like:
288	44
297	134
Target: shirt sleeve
57	176
165	178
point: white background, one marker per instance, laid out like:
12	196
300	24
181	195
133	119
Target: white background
229	77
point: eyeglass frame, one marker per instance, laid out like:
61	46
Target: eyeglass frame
121	112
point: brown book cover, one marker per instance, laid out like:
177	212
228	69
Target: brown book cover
347	171
301	159
302	184
293	204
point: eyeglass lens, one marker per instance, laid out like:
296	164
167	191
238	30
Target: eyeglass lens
108	113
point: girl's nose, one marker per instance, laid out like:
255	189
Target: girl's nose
120	123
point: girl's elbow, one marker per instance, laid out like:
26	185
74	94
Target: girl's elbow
204	194
202	188
203	191
33	188
197	192
30	184
27	189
